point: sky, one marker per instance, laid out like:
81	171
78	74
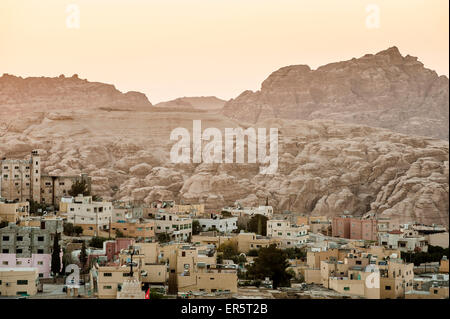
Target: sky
173	48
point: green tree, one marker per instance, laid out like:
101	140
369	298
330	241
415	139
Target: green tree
3	223
68	229
253	253
97	242
258	224
56	261
271	262
78	230
163	238
229	250
79	187
119	234
35	207
196	228
83	256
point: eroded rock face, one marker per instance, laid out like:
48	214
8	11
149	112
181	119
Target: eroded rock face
325	166
383	90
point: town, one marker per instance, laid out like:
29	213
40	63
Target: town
58	240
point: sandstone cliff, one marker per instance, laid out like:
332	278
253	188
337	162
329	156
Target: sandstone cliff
384	90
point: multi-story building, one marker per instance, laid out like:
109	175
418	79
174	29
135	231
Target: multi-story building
13	212
42	262
90	215
197	270
26	241
22	180
350	227
135	229
108	280
244	241
178	227
239	211
404	240
291	235
223	225
16	281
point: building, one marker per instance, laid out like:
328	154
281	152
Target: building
41	262
347	226
239	211
90	215
26	241
18	281
22	180
177	227
404	240
135	229
290	235
197	271
244	241
14	212
123	212
223	225
107	281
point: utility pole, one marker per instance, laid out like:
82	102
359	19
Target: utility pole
109	228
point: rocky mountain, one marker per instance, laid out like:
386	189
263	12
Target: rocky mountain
206	103
44	93
384	90
326	166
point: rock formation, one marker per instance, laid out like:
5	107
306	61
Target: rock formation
383	90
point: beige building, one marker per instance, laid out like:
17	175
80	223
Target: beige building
14	212
141	230
178	227
18	281
290	235
22	180
197	270
83	211
108	280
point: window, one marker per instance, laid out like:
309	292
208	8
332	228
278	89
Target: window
387	287
435	291
5	251
18	250
19	238
22	282
107	287
107	274
40	238
346	288
5	238
40	251
40	262
5	263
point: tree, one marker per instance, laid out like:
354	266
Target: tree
163	238
196	228
36	206
258	225
56	261
229	250
78	230
119	234
79	187
97	242
83	256
68	229
253	253
3	223
271	262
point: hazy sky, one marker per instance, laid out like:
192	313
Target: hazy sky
173	48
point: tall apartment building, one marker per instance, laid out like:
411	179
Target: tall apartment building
291	235
22	180
354	228
90	215
25	241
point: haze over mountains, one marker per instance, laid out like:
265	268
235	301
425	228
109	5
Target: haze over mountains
330	160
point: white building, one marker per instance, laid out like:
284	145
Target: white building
290	234
406	240
178	227
250	211
225	225
83	211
